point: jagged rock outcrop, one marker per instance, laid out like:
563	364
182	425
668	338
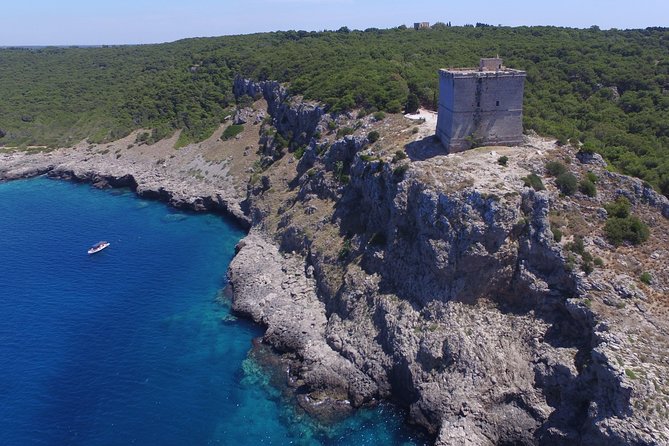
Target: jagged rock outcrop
456	302
276	290
295	120
436	282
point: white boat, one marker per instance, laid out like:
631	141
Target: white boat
99	246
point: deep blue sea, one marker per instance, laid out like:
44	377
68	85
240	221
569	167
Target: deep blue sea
135	345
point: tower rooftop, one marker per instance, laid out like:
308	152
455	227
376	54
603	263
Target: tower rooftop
487	67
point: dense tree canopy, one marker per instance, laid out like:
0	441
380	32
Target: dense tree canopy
607	89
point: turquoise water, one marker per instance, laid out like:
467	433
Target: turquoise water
135	345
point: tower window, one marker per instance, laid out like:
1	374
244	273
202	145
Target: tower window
497	103
478	104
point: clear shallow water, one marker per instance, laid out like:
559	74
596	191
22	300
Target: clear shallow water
132	345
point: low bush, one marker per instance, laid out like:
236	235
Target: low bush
502	160
588	188
534	181
345	250
399	155
299	152
344	131
379	116
400	170
567	183
555	168
373	136
630	229
232	131
646	278
577	245
587	268
619	208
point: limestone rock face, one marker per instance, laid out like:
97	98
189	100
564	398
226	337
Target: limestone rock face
273	290
455	300
295	120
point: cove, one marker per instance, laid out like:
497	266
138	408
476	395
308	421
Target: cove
135	344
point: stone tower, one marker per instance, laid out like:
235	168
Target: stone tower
481	106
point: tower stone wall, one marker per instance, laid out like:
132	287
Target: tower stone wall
480	106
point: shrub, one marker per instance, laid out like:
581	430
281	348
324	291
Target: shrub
373	136
332	125
629	229
344	131
379	116
619	208
502	160
534	181
557	235
588	188
345	250
369	157
399	155
415	130
577	246
232	131
400	170
592	177
587	257
587	268
588	148
280	142
567	183
646	278
299	152
339	170
555	168
599	262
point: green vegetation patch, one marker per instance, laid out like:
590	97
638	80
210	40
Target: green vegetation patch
567	183
555	168
587	187
603	88
621	226
534	181
232	131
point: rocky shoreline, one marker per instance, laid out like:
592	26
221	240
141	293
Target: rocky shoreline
92	164
435	281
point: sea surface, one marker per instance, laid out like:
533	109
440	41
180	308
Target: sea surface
136	344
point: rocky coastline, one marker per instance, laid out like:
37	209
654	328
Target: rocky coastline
140	172
434	281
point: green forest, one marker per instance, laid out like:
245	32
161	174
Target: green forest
607	89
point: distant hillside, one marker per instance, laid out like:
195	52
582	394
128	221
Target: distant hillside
608	89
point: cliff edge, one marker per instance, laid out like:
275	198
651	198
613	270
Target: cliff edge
496	311
388	269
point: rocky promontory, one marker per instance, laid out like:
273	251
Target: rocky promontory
496	311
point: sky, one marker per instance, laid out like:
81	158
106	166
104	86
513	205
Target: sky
95	22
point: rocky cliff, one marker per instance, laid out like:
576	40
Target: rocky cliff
384	269
439	282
